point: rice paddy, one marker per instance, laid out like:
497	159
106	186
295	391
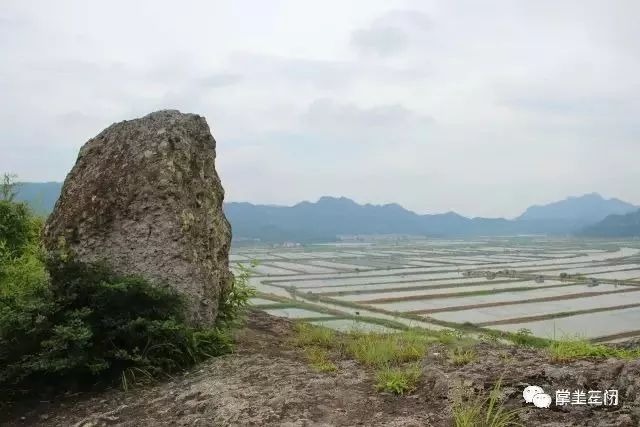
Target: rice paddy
553	287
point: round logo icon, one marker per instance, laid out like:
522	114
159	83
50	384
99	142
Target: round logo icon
542	400
531	391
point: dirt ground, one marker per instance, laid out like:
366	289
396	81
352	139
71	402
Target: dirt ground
267	382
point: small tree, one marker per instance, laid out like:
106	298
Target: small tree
8	187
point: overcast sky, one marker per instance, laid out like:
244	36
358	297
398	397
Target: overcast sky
481	107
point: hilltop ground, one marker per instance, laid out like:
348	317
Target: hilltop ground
268	381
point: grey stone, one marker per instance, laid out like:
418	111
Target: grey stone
144	197
436	381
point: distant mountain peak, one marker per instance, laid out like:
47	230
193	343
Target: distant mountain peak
332	199
593	195
585	209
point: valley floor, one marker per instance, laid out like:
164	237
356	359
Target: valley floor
268	381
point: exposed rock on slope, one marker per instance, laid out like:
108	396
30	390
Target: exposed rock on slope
145	198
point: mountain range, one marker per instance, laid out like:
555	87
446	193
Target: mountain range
626	225
587	209
330	217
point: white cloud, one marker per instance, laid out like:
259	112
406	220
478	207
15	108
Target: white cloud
479	107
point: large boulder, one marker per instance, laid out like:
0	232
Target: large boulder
144	198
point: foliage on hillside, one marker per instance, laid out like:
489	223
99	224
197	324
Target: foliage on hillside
66	324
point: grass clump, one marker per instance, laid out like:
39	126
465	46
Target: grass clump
315	342
90	325
383	349
484	411
568	349
393	355
398	380
459	356
310	335
319	359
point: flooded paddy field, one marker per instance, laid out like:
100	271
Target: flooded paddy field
548	286
599	325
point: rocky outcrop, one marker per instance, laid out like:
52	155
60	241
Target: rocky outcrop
144	197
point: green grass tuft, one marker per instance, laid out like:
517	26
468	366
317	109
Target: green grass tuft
374	349
569	348
459	356
307	335
485	412
399	381
319	359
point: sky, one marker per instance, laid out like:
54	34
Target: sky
482	108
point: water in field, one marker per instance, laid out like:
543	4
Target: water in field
501	313
425	274
295	313
618	275
456	302
262	301
483	286
592	325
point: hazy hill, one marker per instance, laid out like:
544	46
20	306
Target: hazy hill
332	216
41	196
587	209
627	225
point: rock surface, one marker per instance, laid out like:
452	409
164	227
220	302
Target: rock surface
145	198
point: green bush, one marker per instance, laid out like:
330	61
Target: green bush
90	325
65	324
22	270
234	302
18	228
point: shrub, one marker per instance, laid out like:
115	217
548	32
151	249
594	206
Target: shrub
66	324
18	228
23	274
235	300
90	325
22	268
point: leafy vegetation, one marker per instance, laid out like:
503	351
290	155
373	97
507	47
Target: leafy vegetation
308	335
319	359
234	302
484	411
460	356
68	324
568	349
401	380
384	350
393	356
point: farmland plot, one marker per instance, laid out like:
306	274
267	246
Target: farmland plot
425	278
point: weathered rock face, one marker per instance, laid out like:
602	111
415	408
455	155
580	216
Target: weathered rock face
144	197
